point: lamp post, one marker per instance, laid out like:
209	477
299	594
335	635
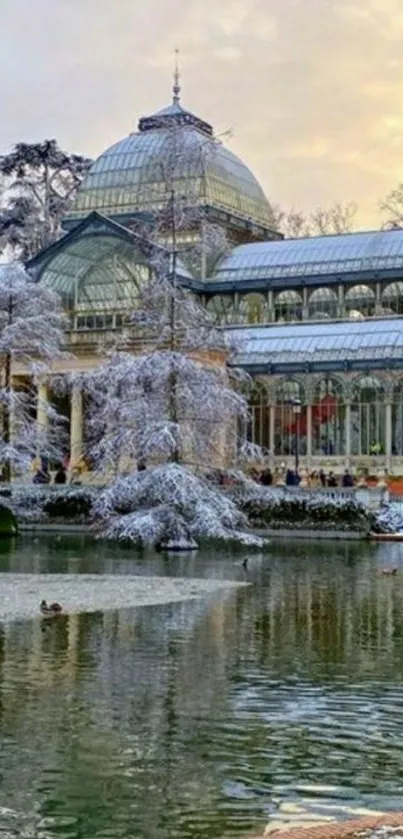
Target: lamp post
296	407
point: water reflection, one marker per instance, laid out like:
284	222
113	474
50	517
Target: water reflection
200	719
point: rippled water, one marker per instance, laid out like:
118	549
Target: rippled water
204	719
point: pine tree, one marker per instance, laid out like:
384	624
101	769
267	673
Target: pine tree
39	181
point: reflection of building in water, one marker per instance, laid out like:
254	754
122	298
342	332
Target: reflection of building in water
184	698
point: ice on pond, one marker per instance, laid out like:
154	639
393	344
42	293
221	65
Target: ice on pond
21	594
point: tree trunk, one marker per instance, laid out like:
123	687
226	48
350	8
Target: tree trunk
173	407
46	210
7	406
7	415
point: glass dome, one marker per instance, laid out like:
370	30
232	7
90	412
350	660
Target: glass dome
173	149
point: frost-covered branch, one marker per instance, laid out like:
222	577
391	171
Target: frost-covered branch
32	332
170	504
131	418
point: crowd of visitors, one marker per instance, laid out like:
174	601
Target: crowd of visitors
315	480
43	475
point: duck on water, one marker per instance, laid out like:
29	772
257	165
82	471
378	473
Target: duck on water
50	609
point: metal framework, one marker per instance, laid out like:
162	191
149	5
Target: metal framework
316	261
320	347
131	176
98	266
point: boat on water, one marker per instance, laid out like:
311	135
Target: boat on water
386	537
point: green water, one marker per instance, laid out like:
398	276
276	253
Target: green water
204	720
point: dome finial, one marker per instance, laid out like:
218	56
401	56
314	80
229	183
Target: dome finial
176	86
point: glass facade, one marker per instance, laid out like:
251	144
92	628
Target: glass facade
322	303
139	173
392	299
334	420
96	274
288	306
368	421
328	419
320	426
361	299
251	308
397	419
289	427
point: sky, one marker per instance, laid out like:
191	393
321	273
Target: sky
311	90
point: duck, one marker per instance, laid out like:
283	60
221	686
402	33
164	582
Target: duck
386	572
50	609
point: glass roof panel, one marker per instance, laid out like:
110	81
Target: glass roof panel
314	256
97	272
308	342
129	176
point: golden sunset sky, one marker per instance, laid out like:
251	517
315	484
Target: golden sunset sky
312	90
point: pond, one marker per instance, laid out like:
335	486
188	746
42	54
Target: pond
204	718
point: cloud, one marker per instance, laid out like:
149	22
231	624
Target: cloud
227	53
313	89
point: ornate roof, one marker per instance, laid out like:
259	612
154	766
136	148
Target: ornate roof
305	347
172	148
98	264
299	261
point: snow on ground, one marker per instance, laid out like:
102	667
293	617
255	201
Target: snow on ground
389	519
21	594
384	832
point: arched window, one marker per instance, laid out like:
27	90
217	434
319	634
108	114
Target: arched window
252	308
360	299
290	425
222	310
322	303
288	306
368	417
397	419
392	298
259	421
328	419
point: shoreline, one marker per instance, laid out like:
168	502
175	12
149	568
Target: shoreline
272	533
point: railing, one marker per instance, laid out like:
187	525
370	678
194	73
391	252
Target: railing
396	498
95	337
331	492
371	497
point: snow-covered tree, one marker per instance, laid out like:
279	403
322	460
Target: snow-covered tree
39	181
31	332
168	414
165	405
171	506
164	417
392	208
294	223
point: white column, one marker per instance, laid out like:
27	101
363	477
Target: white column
388	434
272	419
76	426
347	434
42	419
308	435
